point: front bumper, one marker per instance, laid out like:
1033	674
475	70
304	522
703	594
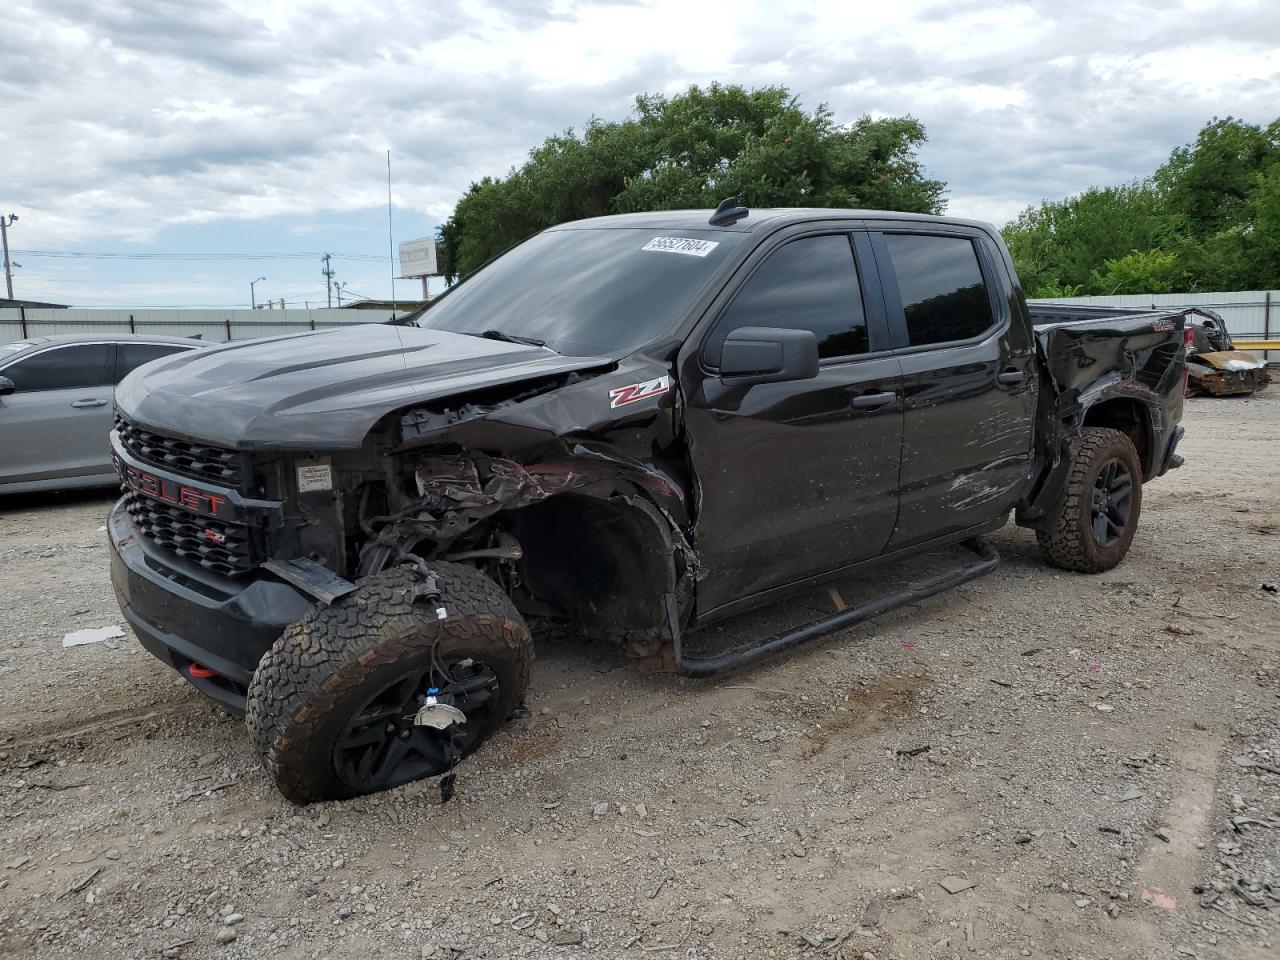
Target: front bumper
187	617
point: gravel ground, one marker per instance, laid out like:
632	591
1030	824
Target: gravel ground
1092	764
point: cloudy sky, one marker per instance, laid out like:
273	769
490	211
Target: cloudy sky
157	127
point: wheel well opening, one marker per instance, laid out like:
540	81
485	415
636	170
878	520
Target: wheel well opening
607	565
1129	417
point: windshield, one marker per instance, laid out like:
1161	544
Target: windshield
587	292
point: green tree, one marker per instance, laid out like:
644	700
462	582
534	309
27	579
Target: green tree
1208	183
1141	271
693	150
1059	244
1208	219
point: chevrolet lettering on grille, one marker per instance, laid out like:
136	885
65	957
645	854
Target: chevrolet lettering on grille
204	502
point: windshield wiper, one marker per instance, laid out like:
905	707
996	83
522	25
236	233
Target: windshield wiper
512	338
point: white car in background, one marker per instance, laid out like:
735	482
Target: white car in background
56	406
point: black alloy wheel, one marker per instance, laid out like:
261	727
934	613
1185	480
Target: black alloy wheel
332	705
1094	523
1112	501
381	747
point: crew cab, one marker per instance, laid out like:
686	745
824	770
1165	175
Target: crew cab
641	425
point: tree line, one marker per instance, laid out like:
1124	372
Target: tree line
1208	219
693	150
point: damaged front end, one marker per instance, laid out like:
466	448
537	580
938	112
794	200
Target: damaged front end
548	497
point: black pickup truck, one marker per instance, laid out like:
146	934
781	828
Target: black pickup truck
640	425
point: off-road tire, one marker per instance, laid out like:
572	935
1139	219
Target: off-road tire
324	666
1070	543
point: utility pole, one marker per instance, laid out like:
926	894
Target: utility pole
338	287
328	278
5	224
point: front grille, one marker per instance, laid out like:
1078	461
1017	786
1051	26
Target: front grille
224	548
199	460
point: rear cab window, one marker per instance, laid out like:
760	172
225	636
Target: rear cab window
942	289
810	283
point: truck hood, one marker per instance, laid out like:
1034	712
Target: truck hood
322	390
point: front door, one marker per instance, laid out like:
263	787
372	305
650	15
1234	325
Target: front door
969	382
800	478
56	423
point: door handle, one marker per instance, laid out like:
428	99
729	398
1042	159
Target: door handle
1010	377
81	404
873	401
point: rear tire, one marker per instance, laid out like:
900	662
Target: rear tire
1098	516
331	704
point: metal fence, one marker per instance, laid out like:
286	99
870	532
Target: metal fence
1249	314
208	325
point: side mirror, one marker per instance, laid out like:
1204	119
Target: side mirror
769	355
7	386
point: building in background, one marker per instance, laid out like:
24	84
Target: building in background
6	304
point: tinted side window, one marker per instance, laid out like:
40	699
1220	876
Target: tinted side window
943	294
130	356
62	368
807	284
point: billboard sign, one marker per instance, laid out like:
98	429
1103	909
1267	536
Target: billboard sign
418	258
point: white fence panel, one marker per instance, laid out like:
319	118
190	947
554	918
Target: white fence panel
209	325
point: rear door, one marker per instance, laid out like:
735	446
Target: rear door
969	379
56	423
795	479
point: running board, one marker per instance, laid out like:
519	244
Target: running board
695	666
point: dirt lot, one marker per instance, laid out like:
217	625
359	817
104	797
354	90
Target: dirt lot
1098	758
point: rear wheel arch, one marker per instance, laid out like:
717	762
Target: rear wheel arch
1131	417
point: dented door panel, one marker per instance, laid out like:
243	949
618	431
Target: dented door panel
967	439
798	481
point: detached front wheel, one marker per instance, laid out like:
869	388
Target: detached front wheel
1098	516
393	683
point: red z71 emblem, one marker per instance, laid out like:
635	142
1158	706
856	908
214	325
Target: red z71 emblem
634	392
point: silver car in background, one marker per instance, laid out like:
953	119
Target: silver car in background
56	409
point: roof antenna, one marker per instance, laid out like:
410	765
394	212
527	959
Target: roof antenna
391	243
728	212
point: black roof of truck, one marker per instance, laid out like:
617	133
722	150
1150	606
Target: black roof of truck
772	218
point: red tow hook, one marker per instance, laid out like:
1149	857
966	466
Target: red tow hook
200	671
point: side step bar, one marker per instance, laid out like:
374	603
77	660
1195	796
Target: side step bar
695	666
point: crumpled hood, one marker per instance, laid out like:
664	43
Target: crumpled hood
322	390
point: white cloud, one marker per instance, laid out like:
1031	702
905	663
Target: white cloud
127	117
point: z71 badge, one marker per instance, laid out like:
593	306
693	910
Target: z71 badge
634	392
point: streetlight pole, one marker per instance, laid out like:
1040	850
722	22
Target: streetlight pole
5	224
253	297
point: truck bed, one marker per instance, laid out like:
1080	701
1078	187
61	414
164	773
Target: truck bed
1056	314
1088	348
